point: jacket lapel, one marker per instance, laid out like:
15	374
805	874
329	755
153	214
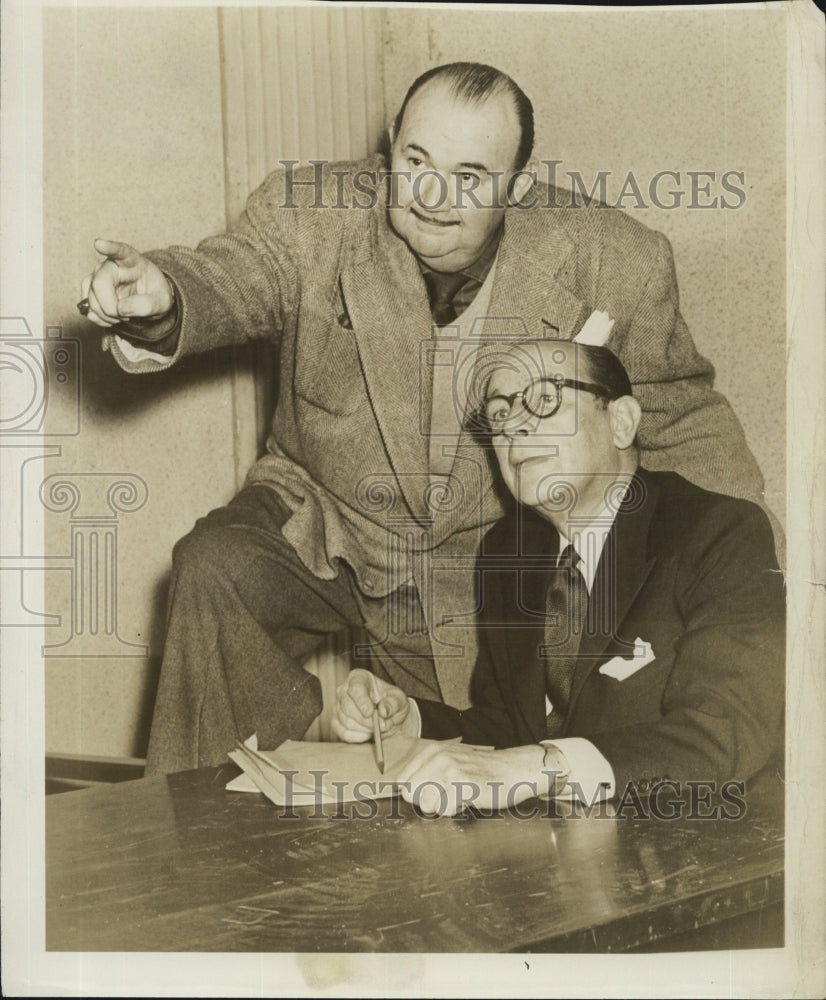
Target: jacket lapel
623	568
387	303
535	272
538	546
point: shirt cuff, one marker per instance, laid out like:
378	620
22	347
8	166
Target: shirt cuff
414	710
136	354
590	776
167	335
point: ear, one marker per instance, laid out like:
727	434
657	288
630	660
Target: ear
624	414
523	180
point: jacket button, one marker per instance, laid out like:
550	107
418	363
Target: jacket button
644	784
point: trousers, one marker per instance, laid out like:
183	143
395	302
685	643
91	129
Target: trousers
244	613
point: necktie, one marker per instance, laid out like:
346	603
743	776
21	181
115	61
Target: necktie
441	289
566	602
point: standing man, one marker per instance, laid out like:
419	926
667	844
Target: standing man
383	296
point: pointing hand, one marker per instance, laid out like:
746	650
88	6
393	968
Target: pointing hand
126	286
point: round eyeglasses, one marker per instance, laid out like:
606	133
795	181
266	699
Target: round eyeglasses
541	398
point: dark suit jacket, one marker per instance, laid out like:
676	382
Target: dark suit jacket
691	572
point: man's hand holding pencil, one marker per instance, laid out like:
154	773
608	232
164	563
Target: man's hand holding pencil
369	708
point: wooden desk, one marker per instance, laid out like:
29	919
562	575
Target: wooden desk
179	864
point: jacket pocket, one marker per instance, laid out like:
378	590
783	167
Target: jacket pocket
327	367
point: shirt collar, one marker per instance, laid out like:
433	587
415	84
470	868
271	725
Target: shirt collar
589	540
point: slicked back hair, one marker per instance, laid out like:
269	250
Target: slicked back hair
475	83
606	370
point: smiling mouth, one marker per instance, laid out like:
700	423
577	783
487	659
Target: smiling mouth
430	221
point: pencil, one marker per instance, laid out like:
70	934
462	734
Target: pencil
377	740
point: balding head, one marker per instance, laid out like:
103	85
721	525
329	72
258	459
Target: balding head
474	83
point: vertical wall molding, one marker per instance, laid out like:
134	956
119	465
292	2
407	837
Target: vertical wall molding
297	84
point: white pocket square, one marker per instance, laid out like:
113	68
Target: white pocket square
596	330
620	669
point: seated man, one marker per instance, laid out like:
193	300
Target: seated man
631	623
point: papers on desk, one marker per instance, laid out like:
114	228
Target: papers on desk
308	773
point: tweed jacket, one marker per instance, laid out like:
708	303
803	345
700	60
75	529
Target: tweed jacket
689	575
342	301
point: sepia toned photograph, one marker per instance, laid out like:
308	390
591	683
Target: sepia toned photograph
412	491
